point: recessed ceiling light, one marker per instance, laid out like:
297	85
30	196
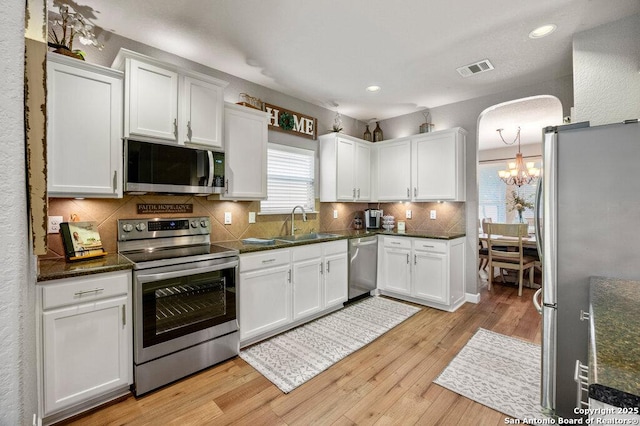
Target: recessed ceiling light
542	31
373	88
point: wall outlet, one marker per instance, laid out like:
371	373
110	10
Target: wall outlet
54	224
252	217
227	218
335	214
408	214
432	214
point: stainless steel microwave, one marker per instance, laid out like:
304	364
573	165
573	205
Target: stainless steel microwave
172	169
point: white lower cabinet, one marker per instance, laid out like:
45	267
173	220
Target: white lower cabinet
283	288
421	270
85	341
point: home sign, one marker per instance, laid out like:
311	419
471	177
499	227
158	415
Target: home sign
284	120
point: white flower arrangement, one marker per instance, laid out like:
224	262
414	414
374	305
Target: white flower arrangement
71	24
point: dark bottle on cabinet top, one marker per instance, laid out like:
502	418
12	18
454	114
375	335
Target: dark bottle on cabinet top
367	134
377	133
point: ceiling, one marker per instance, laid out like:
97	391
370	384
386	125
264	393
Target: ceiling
328	51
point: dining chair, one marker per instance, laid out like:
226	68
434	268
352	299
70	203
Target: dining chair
514	258
483	250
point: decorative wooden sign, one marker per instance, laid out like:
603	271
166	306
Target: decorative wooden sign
284	120
164	208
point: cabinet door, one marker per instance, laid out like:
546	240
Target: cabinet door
307	287
363	171
336	279
86	352
201	115
84	131
396	270
265	302
394	171
345	179
245	153
430	281
434	167
151	101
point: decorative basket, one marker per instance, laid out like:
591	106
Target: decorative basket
250	101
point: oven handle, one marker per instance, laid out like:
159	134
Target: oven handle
147	278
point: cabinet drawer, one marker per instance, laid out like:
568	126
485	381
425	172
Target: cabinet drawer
70	291
397	242
249	262
430	245
335	247
305	252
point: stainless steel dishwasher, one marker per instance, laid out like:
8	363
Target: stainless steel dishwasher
363	265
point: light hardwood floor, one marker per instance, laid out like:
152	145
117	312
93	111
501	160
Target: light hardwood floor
387	382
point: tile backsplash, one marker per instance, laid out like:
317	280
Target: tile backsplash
450	217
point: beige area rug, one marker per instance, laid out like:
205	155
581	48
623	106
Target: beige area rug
498	371
290	359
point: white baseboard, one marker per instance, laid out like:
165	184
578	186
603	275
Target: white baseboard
472	298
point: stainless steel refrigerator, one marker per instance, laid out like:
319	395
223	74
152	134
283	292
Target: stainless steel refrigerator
588	224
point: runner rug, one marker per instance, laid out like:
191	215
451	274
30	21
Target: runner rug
290	359
498	371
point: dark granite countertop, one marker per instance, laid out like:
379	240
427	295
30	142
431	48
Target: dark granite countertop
53	269
614	347
339	235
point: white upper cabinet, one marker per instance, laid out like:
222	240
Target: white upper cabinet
151	101
84	129
437	165
394	170
202	112
169	103
245	135
345	168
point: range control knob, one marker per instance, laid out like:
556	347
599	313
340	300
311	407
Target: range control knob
204	223
194	224
141	226
127	227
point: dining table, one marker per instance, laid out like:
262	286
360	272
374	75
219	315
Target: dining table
528	242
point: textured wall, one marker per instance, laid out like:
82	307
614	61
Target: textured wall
606	63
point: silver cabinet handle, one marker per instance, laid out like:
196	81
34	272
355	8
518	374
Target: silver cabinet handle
408	261
189	132
354	193
415	191
115	180
226	187
415	259
408	192
289	275
358	194
124	315
95	290
175	127
321	268
268	260
397	243
328	266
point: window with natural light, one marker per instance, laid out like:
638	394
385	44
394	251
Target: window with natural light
290	179
494	195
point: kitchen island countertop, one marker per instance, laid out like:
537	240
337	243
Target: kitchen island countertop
614	347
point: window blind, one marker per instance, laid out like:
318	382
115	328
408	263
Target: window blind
290	179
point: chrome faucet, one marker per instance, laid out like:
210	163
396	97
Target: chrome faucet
304	218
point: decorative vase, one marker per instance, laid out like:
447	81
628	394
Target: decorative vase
520	219
63	50
367	134
377	133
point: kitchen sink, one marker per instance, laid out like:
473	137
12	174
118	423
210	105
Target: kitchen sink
305	237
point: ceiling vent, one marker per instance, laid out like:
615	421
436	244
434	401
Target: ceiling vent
475	68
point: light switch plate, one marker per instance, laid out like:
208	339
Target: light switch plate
432	214
252	217
227	218
335	214
408	214
54	224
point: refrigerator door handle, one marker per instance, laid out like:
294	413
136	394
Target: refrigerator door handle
537	218
537	299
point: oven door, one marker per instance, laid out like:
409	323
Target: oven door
179	306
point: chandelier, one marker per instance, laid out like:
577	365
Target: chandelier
518	173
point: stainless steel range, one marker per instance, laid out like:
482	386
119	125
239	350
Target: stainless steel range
184	298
